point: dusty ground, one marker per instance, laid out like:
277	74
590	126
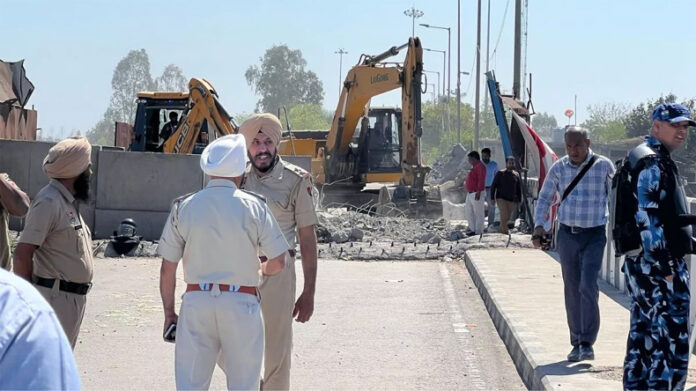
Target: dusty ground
377	325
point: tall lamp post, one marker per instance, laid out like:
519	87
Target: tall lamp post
459	76
449	66
340	53
444	53
413	13
449	55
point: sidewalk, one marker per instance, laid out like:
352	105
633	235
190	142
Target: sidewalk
523	292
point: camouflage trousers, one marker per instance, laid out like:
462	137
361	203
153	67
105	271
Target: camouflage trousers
657	351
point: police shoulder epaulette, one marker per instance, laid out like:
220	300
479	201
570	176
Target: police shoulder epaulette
299	171
181	198
251	193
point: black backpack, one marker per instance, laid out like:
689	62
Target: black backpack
623	203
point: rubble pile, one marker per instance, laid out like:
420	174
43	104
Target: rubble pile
449	167
351	235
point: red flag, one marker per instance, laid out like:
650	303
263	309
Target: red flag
542	157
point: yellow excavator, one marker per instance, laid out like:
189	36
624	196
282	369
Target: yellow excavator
203	119
372	154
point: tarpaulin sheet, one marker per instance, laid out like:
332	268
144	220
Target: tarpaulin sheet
17	123
15	88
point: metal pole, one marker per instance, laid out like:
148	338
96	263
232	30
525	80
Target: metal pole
516	82
478	76
449	72
488	55
340	53
459	75
576	109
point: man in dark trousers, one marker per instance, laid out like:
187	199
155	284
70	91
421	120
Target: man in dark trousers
657	277
582	233
506	192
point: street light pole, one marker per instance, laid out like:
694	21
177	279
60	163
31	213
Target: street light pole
459	75
340	53
413	13
449	66
478	78
444	53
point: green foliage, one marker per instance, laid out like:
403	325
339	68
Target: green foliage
172	79
132	75
544	123
639	120
437	140
308	116
606	122
281	79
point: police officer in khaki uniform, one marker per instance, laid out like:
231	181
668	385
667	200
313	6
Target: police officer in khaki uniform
15	202
288	192
55	248
217	234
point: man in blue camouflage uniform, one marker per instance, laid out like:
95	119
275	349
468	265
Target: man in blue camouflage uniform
657	277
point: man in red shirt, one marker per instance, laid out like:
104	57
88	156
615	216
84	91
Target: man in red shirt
475	185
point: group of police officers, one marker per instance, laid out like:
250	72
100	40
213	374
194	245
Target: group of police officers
237	237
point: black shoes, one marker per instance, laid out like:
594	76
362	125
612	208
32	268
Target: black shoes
586	352
574	355
581	352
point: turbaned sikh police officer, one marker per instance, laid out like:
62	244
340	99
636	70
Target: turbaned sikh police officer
55	247
217	233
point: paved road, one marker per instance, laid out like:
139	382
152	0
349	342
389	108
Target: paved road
377	325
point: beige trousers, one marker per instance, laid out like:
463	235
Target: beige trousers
506	210
69	307
216	324
277	303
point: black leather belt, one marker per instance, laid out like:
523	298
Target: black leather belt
579	230
264	259
65	286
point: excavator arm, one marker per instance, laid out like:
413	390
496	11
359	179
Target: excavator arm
369	78
204	110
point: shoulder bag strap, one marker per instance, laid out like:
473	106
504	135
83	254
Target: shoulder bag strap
578	177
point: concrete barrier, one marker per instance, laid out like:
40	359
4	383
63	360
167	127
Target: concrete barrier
137	185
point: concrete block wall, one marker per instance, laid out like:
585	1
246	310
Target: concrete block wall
137	185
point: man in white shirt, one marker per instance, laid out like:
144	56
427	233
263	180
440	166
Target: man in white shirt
217	233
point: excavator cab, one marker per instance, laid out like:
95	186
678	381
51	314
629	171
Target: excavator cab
379	144
152	114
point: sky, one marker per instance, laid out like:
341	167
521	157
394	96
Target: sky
619	51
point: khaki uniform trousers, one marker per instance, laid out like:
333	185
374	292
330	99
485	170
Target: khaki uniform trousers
69	307
506	209
216	324
277	303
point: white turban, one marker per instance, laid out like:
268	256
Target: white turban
225	157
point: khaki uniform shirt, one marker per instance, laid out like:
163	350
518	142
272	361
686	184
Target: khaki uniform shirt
288	192
218	232
54	224
4	233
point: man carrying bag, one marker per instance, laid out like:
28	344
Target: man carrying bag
584	180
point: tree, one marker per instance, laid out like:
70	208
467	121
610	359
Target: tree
172	79
544	123
435	142
606	122
282	80
132	74
103	132
639	120
308	116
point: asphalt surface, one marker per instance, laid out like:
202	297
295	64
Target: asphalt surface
377	325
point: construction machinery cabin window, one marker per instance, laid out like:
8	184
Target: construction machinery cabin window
156	116
384	144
